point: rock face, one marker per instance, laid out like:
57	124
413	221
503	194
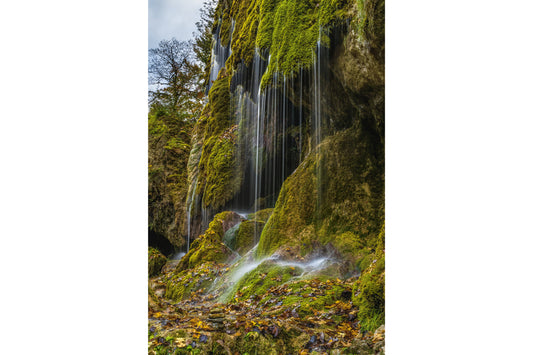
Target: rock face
168	152
156	261
335	196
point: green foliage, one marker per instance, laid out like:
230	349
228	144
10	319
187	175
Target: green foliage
174	75
168	152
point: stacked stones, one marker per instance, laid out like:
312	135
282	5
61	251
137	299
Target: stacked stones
216	318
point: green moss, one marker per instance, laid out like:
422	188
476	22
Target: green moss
261	215
156	261
347	211
168	151
209	247
369	18
246	24
294	210
225	28
219	172
258	281
180	285
246	235
307	304
219	100
369	290
223	179
288	29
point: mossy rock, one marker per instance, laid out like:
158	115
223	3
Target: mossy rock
347	210
306	304
181	284
258	281
246	235
369	290
261	215
219	171
242	237
168	152
156	261
288	30
209	247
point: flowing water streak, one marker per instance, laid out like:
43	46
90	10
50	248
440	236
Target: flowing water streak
259	68
191	202
283	120
247	263
219	54
317	115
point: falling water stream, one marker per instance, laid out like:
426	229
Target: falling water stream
279	124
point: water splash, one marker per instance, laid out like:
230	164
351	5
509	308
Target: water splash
178	256
248	263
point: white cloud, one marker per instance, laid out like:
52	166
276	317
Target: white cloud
172	18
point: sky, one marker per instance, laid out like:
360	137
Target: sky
172	18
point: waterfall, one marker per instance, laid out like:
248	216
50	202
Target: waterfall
219	54
273	123
278	125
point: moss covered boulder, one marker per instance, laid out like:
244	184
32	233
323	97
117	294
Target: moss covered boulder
156	261
369	290
210	247
261	215
243	236
332	198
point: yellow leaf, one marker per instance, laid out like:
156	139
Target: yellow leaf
180	342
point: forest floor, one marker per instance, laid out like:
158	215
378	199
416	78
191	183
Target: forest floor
275	322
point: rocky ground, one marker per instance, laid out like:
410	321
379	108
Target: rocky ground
311	315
